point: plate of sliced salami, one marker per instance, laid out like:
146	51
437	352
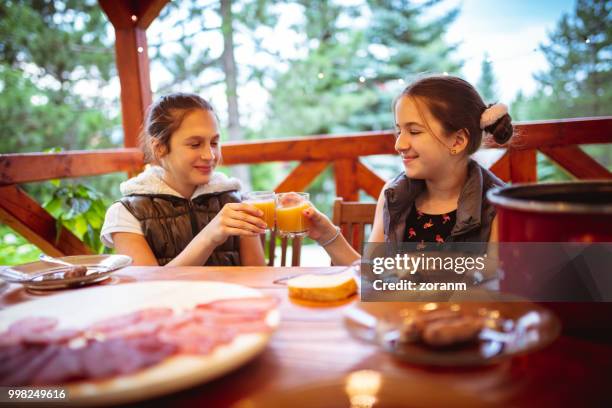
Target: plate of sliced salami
123	343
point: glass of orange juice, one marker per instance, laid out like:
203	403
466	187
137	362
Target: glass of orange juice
265	201
289	218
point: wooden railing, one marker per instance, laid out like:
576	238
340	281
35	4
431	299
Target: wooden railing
558	139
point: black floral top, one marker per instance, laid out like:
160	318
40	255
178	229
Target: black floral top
421	227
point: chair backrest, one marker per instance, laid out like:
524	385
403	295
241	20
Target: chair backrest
352	217
269	242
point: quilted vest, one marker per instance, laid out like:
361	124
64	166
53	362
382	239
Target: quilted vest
474	212
169	223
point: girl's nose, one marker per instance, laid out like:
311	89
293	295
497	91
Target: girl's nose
207	153
402	142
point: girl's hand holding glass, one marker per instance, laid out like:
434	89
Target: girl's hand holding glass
236	219
266	202
321	229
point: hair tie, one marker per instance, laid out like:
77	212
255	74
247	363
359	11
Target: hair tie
492	114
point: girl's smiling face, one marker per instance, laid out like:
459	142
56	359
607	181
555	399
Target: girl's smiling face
420	140
194	151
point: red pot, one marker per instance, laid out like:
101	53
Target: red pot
556	212
578	211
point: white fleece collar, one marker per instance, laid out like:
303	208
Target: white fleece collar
150	182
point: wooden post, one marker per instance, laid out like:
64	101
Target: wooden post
130	20
346	181
523	166
501	168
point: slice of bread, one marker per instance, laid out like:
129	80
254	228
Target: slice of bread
323	288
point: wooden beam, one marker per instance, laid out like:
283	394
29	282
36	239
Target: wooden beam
148	10
310	148
23	214
346	183
368	180
501	168
133	67
559	132
27	167
523	166
132	59
577	162
119	13
128	13
300	177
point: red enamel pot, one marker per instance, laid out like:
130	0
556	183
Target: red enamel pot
555	212
579	211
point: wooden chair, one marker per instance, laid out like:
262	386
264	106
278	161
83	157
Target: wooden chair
353	217
270	244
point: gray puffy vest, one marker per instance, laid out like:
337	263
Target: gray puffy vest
169	223
474	213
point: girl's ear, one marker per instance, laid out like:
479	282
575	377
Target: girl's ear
158	149
460	140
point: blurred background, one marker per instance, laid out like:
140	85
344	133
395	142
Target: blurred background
286	68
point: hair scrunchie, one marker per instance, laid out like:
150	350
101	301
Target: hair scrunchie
492	114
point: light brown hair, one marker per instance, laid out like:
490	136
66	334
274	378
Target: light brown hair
165	116
457	105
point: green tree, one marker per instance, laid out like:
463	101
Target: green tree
50	51
486	82
350	75
578	80
52	54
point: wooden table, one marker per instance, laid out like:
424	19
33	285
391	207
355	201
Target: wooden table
312	344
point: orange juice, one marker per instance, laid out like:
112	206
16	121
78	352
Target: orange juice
268	208
291	219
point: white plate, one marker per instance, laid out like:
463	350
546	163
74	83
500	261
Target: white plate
81	308
99	268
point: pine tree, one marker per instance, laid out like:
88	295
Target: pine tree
350	76
47	51
486	82
578	82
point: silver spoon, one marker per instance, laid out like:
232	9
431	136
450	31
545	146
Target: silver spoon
50	259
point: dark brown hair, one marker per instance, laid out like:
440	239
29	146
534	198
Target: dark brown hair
457	105
165	116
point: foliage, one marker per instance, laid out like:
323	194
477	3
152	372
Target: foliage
56	59
578	81
50	52
81	209
15	249
486	82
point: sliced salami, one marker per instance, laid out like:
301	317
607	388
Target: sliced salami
33	351
24	373
212	316
256	305
65	366
115	323
51	337
32	325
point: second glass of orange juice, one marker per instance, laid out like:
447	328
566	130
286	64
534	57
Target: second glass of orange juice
289	218
265	201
